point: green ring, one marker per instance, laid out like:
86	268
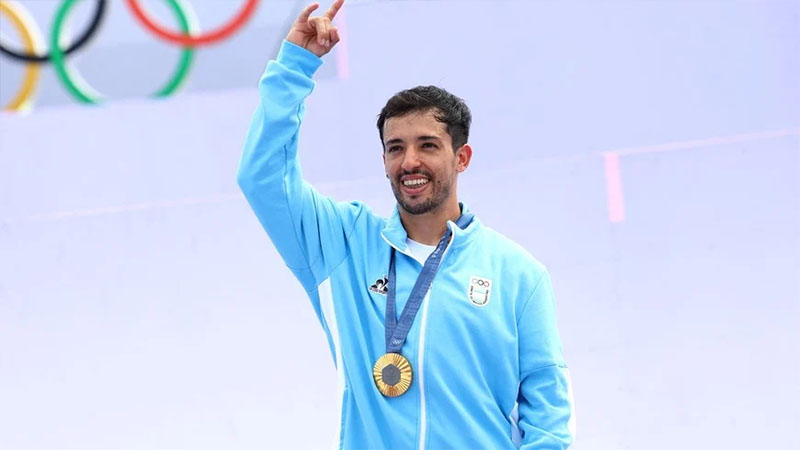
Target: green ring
81	90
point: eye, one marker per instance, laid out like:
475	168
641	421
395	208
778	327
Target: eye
430	145
393	148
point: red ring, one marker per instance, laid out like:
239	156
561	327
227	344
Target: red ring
194	40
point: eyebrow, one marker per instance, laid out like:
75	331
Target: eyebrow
419	138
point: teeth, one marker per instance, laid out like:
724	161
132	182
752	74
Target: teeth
417	182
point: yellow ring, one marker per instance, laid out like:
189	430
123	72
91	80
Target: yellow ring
18	16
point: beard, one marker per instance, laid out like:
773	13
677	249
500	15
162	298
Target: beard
439	192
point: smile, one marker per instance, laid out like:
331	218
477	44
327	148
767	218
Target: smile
415	182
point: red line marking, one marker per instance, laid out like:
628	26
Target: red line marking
342	53
614	193
614	197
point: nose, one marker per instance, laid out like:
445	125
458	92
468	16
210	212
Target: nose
410	159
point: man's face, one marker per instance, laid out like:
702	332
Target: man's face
419	160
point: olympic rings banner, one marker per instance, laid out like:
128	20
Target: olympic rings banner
33	54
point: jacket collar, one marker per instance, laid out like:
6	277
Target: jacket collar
395	234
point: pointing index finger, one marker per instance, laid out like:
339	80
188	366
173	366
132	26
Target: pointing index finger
331	12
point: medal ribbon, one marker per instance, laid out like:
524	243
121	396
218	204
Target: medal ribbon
397	331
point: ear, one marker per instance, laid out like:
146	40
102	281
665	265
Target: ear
463	157
383	156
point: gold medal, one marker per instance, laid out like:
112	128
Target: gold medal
393	374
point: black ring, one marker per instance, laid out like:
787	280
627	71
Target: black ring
80	42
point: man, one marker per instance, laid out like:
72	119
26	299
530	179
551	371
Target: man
474	359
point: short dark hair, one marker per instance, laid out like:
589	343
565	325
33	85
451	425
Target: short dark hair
449	109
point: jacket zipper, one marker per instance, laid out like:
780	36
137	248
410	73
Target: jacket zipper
421	351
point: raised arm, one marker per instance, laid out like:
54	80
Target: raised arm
309	230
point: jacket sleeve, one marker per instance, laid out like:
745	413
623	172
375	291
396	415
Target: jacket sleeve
545	397
308	229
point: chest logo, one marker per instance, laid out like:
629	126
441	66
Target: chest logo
480	289
380	286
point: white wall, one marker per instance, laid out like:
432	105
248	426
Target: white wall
141	305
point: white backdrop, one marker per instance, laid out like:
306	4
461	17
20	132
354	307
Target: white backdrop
141	305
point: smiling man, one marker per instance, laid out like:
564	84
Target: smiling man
424	134
442	330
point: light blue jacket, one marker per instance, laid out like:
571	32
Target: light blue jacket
488	366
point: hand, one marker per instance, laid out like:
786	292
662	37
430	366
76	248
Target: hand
315	34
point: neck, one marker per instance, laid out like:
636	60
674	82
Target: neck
429	228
